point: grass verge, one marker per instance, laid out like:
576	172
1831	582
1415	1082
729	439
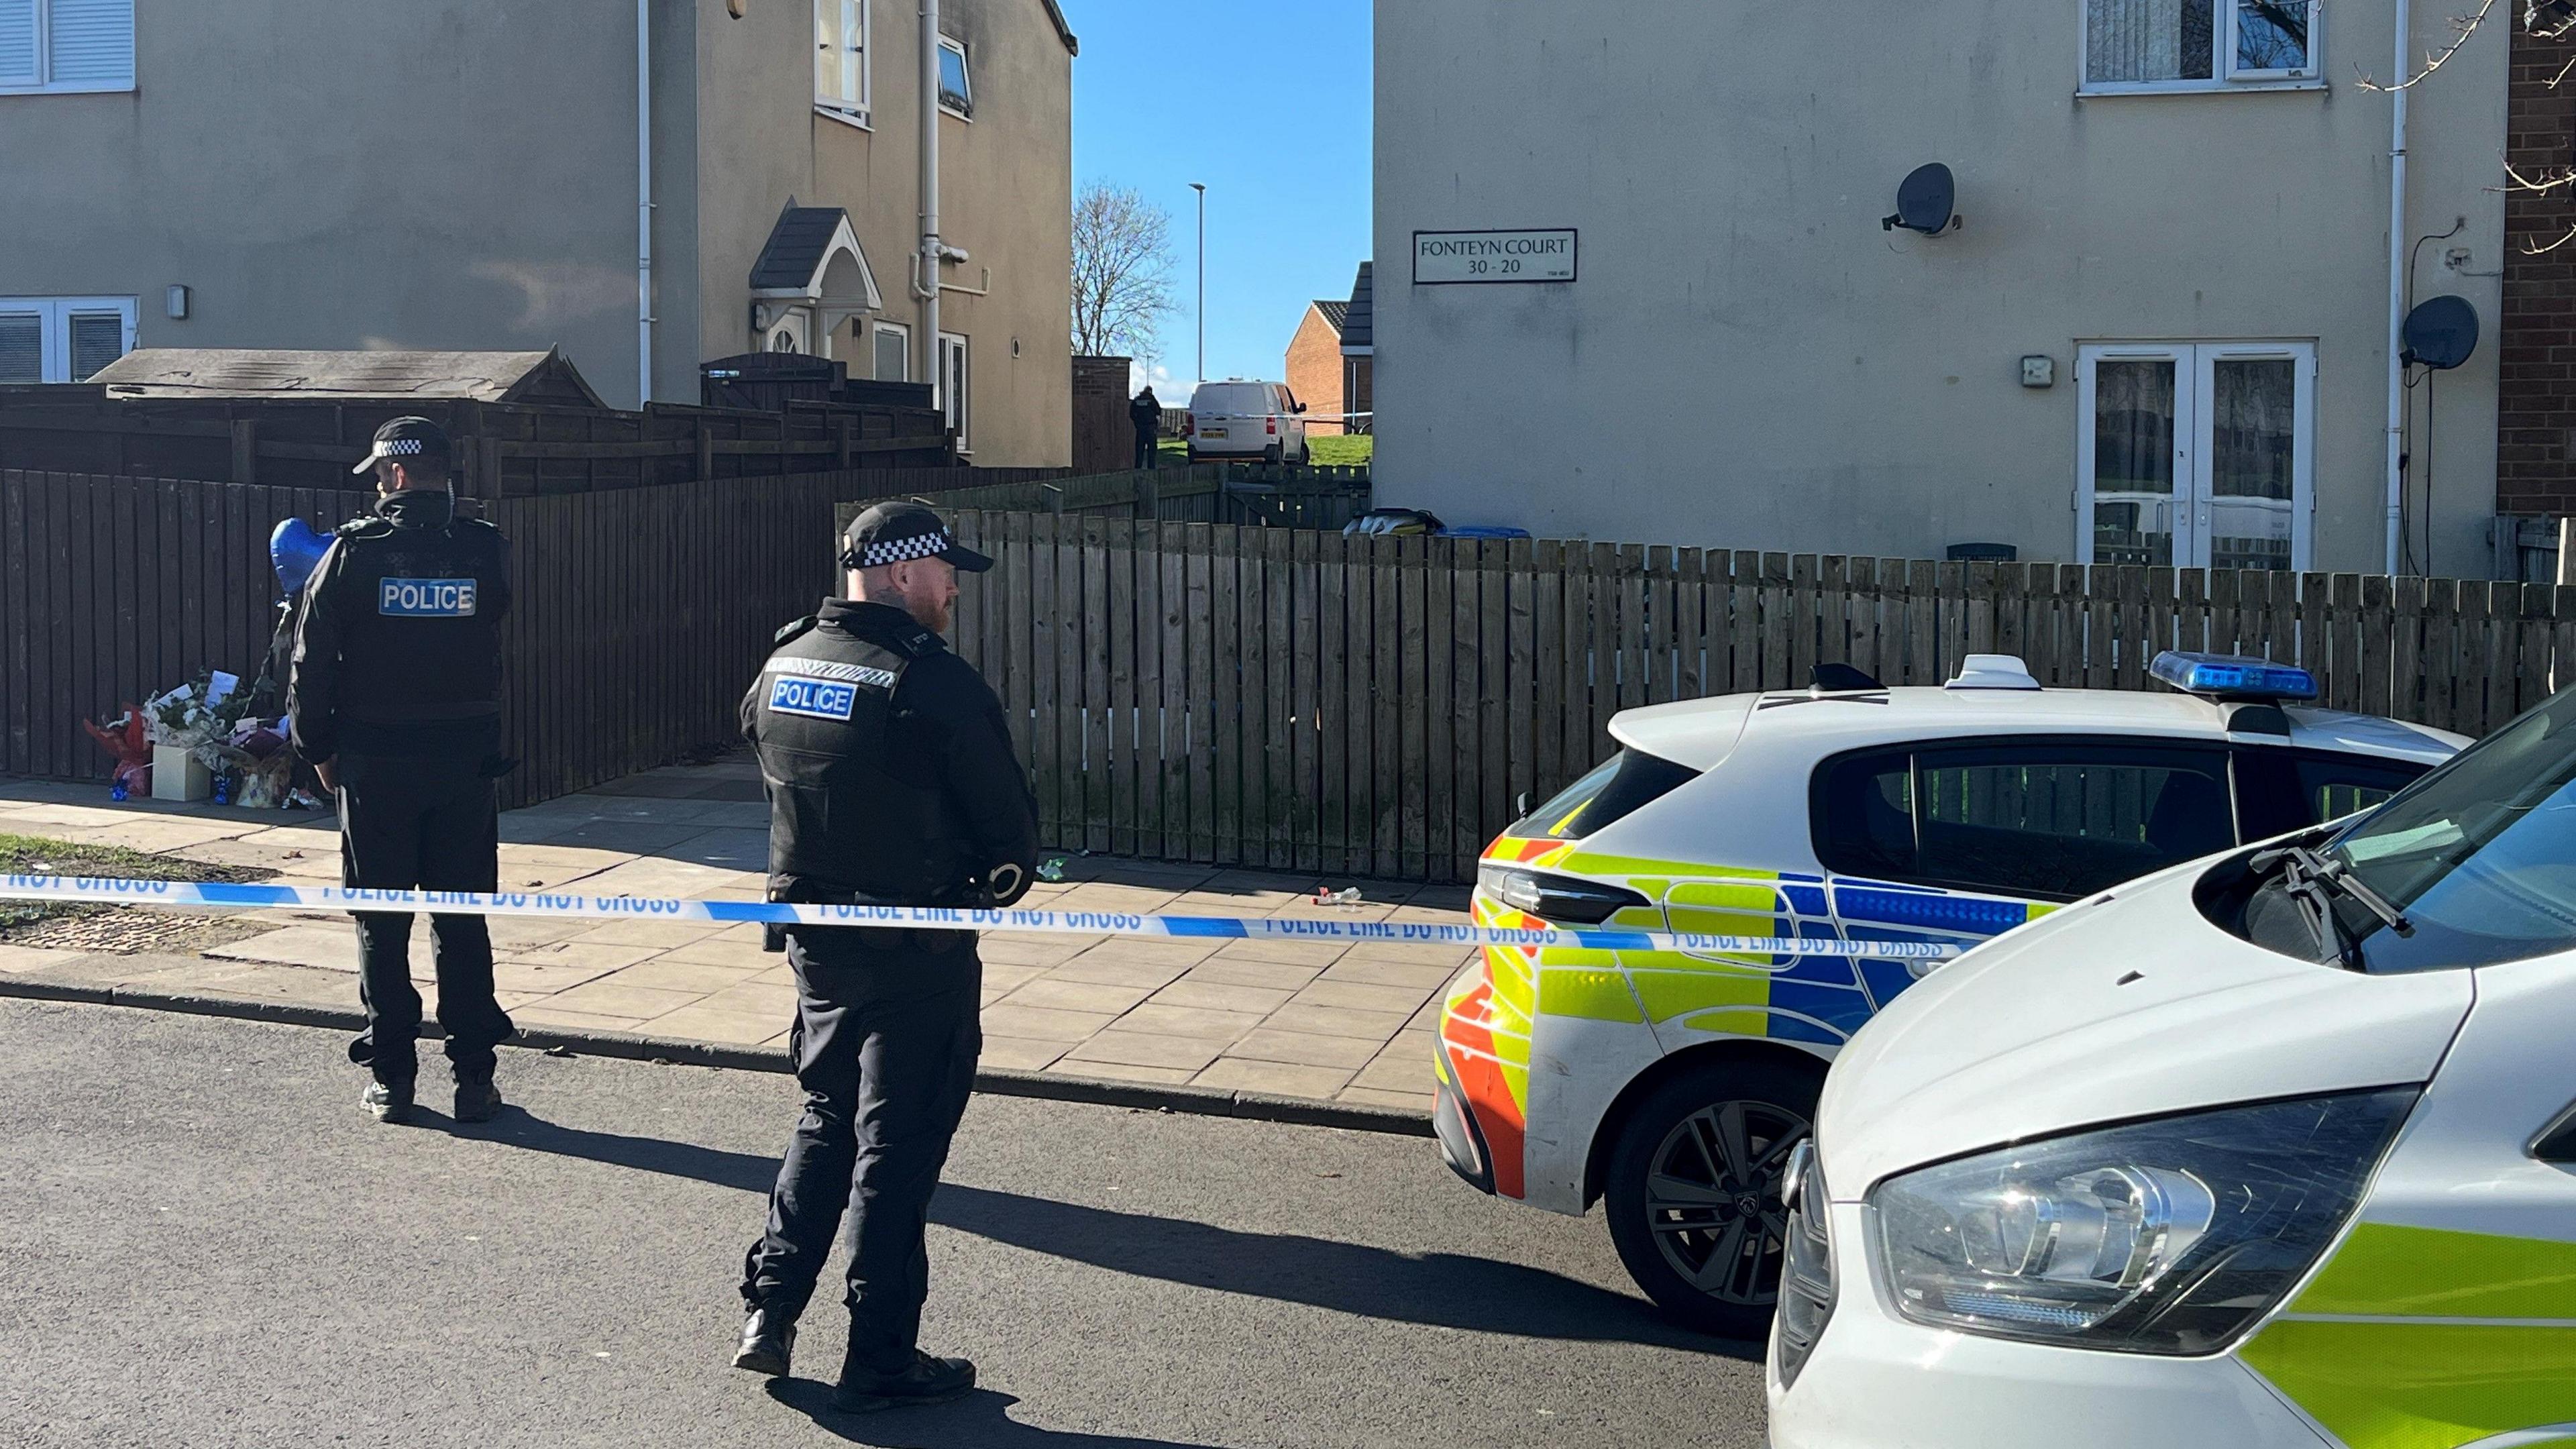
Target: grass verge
35	855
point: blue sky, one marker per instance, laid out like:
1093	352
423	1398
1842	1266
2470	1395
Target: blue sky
1267	101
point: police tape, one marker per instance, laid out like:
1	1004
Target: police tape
94	891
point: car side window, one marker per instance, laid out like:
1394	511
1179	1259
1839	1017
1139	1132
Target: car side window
2041	819
2281	790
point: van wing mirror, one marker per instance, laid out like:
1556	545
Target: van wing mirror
1521	803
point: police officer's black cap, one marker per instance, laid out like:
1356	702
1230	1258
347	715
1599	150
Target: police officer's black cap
893	533
416	442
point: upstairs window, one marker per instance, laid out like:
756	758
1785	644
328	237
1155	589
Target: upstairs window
63	46
956	88
840	58
2152	45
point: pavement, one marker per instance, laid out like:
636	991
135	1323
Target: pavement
1348	1025
203	1241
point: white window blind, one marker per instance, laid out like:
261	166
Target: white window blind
2134	41
18	43
22	347
89	44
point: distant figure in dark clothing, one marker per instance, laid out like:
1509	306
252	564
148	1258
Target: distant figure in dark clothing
1146	412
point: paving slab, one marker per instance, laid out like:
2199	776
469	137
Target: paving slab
1277	1079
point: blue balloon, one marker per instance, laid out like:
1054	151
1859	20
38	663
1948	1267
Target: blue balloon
294	548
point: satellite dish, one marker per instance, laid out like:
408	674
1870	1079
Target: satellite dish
1924	201
2440	333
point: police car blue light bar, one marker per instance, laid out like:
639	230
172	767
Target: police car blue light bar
2232	676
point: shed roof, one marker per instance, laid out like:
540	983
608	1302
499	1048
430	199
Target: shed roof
247	372
1359	325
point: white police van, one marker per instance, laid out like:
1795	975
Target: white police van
1675	1086
2272	1150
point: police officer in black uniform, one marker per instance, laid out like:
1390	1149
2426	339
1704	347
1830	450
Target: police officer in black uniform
394	698
891	782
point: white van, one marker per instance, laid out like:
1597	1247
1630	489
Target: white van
1240	419
2275	1149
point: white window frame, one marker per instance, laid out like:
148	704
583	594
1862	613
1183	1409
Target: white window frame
2224	74
2195	388
958	404
839	108
41	83
966	66
54	347
876	342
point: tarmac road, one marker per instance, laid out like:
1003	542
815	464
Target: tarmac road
204	1242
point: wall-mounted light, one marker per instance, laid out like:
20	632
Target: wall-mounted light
175	302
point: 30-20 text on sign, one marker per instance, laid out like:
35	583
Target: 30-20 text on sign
1448	258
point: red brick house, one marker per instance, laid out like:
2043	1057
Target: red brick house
1315	365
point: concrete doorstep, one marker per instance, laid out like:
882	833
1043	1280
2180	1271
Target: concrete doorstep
1279	1030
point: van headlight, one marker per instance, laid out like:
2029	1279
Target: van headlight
2168	1236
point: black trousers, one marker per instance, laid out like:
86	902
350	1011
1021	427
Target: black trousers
885	1041
425	825
1145	448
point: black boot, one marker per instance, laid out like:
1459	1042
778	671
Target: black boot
477	1100
768	1343
925	1380
389	1101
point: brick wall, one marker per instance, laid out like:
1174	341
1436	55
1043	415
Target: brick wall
1103	440
1315	372
2536	400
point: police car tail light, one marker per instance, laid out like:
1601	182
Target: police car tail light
2232	676
2167	1237
1556	897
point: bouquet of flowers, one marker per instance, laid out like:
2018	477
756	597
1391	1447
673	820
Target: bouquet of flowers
126	736
198	715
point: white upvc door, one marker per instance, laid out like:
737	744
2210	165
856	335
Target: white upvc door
2196	455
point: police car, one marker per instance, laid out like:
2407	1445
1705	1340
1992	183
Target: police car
2275	1150
1675	1086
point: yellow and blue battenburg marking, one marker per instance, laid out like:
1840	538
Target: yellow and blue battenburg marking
1807	958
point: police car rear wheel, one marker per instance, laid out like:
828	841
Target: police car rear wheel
1694	1191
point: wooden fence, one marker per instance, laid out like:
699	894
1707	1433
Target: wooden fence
1373	706
641	613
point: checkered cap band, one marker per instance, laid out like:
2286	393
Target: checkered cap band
903	550
398	448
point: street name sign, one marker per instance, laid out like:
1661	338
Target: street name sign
1449	258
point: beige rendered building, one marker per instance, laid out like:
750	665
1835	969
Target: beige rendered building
467	175
1634	282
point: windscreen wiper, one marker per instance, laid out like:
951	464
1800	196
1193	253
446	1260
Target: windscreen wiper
2313	879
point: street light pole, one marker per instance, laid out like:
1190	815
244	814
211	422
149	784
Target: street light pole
1201	189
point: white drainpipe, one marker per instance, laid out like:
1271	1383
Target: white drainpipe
925	284
2405	70
644	199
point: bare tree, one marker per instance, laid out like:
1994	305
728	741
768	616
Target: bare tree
1122	271
2550	21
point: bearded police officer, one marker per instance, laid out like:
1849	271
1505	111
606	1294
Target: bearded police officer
891	782
394	697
